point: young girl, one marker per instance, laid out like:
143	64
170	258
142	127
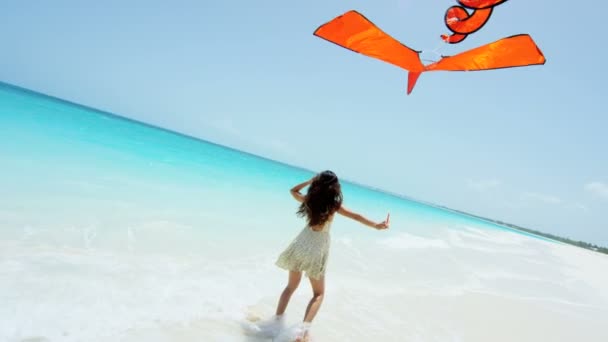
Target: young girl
309	251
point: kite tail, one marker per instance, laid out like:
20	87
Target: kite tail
412	77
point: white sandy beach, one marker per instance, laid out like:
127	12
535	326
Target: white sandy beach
465	284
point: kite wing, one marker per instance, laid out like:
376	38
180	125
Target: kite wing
515	51
355	32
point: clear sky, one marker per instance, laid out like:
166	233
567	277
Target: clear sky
525	145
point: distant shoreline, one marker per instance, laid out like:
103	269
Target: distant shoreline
581	244
576	243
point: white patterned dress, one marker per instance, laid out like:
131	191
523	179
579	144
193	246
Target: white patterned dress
308	252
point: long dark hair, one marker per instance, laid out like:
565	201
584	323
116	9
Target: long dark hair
323	199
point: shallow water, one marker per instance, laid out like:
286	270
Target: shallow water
115	231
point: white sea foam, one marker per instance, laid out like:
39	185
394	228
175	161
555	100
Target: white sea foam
410	241
71	295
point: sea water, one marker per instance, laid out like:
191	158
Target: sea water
112	230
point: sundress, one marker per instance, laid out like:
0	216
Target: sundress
308	252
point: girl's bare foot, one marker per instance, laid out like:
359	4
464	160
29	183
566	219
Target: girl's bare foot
303	338
302	335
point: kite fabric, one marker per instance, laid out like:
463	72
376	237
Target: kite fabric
355	32
461	23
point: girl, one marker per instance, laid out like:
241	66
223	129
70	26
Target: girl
309	251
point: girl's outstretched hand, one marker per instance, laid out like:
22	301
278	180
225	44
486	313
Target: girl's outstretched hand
384	224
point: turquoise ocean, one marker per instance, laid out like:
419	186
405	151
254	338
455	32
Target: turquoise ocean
113	230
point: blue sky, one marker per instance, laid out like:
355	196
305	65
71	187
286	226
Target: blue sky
524	145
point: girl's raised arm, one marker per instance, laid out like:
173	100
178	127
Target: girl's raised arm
361	219
295	191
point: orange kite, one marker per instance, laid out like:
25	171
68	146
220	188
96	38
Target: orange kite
356	33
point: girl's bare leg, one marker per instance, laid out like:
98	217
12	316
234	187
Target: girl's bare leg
273	327
292	285
318	291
